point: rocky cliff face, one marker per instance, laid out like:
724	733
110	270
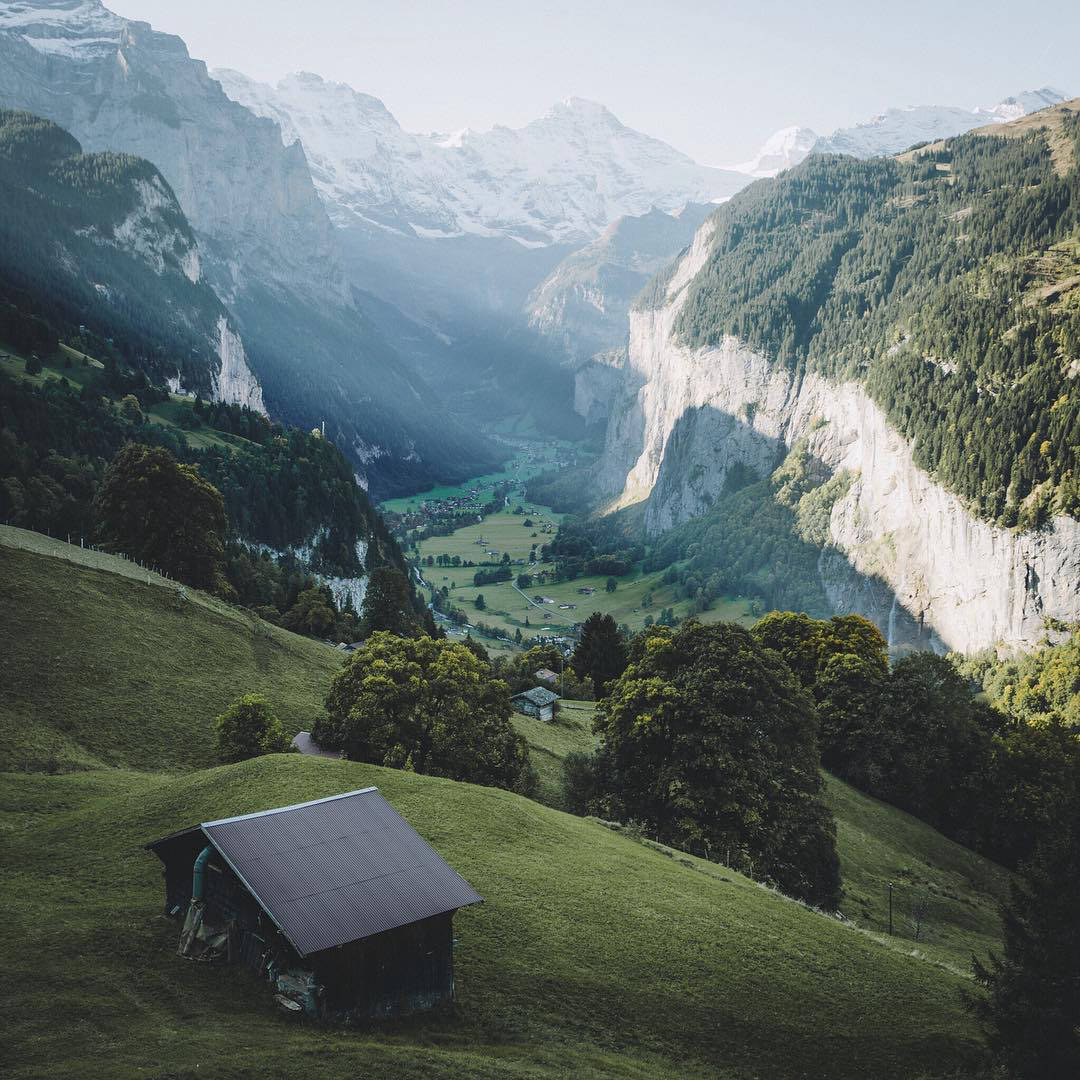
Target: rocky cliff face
583	303
119	85
902	547
110	228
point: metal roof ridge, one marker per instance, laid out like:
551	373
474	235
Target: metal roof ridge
283	809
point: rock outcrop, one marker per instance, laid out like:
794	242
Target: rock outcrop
583	303
117	84
899	543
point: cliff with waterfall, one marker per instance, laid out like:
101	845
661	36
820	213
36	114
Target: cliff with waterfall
705	394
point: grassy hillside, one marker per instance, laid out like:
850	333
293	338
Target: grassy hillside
592	954
951	892
100	668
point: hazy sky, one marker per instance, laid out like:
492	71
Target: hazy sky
713	79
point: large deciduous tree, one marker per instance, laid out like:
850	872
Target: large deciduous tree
164	514
843	662
428	705
709	741
601	652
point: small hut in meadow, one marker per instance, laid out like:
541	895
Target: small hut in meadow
338	902
538	702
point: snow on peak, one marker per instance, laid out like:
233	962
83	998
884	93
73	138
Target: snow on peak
584	109
783	149
562	178
898	128
63	27
1012	108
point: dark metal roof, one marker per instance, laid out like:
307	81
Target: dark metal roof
335	870
538	695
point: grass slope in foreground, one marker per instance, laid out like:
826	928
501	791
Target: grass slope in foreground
592	954
99	668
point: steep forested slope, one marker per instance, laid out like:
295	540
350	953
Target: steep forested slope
100	240
946	281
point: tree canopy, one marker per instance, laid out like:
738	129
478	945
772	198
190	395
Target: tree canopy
388	603
248	728
427	705
1031	1010
709	741
843	663
162	513
601	652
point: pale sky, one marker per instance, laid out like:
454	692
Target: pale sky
712	79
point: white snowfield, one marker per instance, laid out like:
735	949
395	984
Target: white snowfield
560	179
892	131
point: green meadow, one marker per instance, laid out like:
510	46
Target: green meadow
595	952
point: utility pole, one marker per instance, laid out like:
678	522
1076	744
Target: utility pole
890	907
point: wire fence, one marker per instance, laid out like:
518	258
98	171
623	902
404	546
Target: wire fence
85	545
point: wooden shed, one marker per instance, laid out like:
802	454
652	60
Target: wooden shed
338	902
538	702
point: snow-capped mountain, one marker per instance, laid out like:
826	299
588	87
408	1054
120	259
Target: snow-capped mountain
782	150
266	244
560	179
897	129
119	85
891	131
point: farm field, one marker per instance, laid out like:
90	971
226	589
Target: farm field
505	606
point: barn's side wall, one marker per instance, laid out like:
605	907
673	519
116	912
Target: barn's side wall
391	974
401	971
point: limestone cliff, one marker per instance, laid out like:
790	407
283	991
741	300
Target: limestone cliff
899	544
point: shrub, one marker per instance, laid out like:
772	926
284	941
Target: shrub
248	728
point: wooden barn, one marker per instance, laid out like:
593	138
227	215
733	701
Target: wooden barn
538	702
338	902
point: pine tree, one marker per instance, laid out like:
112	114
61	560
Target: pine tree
601	652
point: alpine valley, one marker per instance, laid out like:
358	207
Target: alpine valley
565	609
405	292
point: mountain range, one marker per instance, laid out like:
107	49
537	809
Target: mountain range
393	285
890	132
561	179
266	243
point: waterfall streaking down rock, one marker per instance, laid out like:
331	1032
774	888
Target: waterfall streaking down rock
973	584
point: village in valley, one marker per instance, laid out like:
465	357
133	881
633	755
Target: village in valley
480	553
